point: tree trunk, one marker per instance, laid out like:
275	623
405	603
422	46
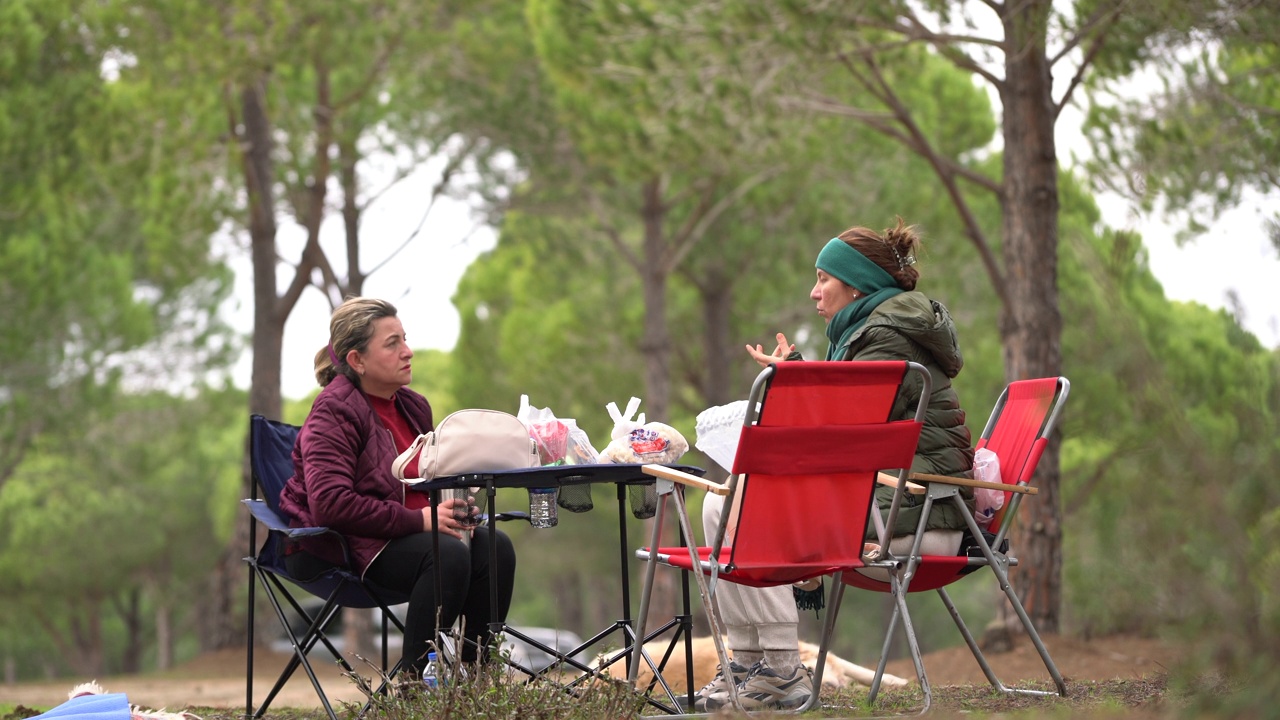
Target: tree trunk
1031	324
359	633
717	310
131	616
164	636
86	657
655	345
350	181
220	627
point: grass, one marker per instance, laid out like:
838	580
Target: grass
494	694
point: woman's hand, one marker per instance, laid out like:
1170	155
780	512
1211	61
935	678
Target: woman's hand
780	353
444	518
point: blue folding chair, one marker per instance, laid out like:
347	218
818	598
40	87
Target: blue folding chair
270	452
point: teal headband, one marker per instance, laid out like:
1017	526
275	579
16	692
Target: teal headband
843	262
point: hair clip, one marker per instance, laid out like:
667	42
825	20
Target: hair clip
903	262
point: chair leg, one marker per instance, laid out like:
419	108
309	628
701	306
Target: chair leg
638	653
971	642
300	650
1000	566
900	600
704	591
248	673
1030	628
646	591
900	612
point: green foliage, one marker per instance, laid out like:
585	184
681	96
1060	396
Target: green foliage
1205	135
138	499
97	254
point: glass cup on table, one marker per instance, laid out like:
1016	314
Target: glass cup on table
467	512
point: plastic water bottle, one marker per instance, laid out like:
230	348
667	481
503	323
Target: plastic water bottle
542	507
429	673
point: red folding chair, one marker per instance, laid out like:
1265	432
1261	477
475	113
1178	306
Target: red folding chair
800	493
1017	432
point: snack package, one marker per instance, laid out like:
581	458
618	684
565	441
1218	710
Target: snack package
635	441
649	443
551	435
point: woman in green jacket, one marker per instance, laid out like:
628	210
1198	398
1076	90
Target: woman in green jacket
865	290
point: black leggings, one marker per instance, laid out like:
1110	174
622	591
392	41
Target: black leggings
406	565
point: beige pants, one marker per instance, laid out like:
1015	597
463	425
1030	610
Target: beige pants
935	542
756	619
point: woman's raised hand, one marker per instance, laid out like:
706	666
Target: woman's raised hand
779	354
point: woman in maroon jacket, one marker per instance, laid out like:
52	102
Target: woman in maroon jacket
363	418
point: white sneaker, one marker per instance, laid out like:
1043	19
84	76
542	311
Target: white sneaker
768	688
718	689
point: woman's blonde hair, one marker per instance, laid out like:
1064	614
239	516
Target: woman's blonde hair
350	328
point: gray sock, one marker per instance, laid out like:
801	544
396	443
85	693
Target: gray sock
747	658
784	661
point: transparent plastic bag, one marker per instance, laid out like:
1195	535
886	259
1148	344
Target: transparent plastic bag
987	502
579	450
551	434
560	442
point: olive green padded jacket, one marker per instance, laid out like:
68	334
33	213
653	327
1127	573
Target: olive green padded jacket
910	326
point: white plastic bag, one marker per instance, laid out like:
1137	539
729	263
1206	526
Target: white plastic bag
987	502
623	424
637	441
551	435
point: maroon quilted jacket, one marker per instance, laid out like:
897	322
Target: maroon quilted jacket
342	473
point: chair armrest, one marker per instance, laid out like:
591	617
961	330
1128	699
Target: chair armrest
892	481
684	478
949	480
275	523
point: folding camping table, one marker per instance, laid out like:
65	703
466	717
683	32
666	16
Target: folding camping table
621	475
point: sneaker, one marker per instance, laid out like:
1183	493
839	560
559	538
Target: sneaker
718	689
766	688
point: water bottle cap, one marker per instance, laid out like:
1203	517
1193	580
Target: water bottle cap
431	657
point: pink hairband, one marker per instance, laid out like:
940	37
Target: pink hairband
333	356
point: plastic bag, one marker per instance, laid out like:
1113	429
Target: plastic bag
623	423
560	441
719	429
579	450
551	435
987	502
637	441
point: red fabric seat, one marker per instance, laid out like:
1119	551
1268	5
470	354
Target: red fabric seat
801	490
1017	432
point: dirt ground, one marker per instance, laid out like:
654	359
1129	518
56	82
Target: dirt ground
217	679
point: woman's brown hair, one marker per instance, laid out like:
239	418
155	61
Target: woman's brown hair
895	250
350	328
